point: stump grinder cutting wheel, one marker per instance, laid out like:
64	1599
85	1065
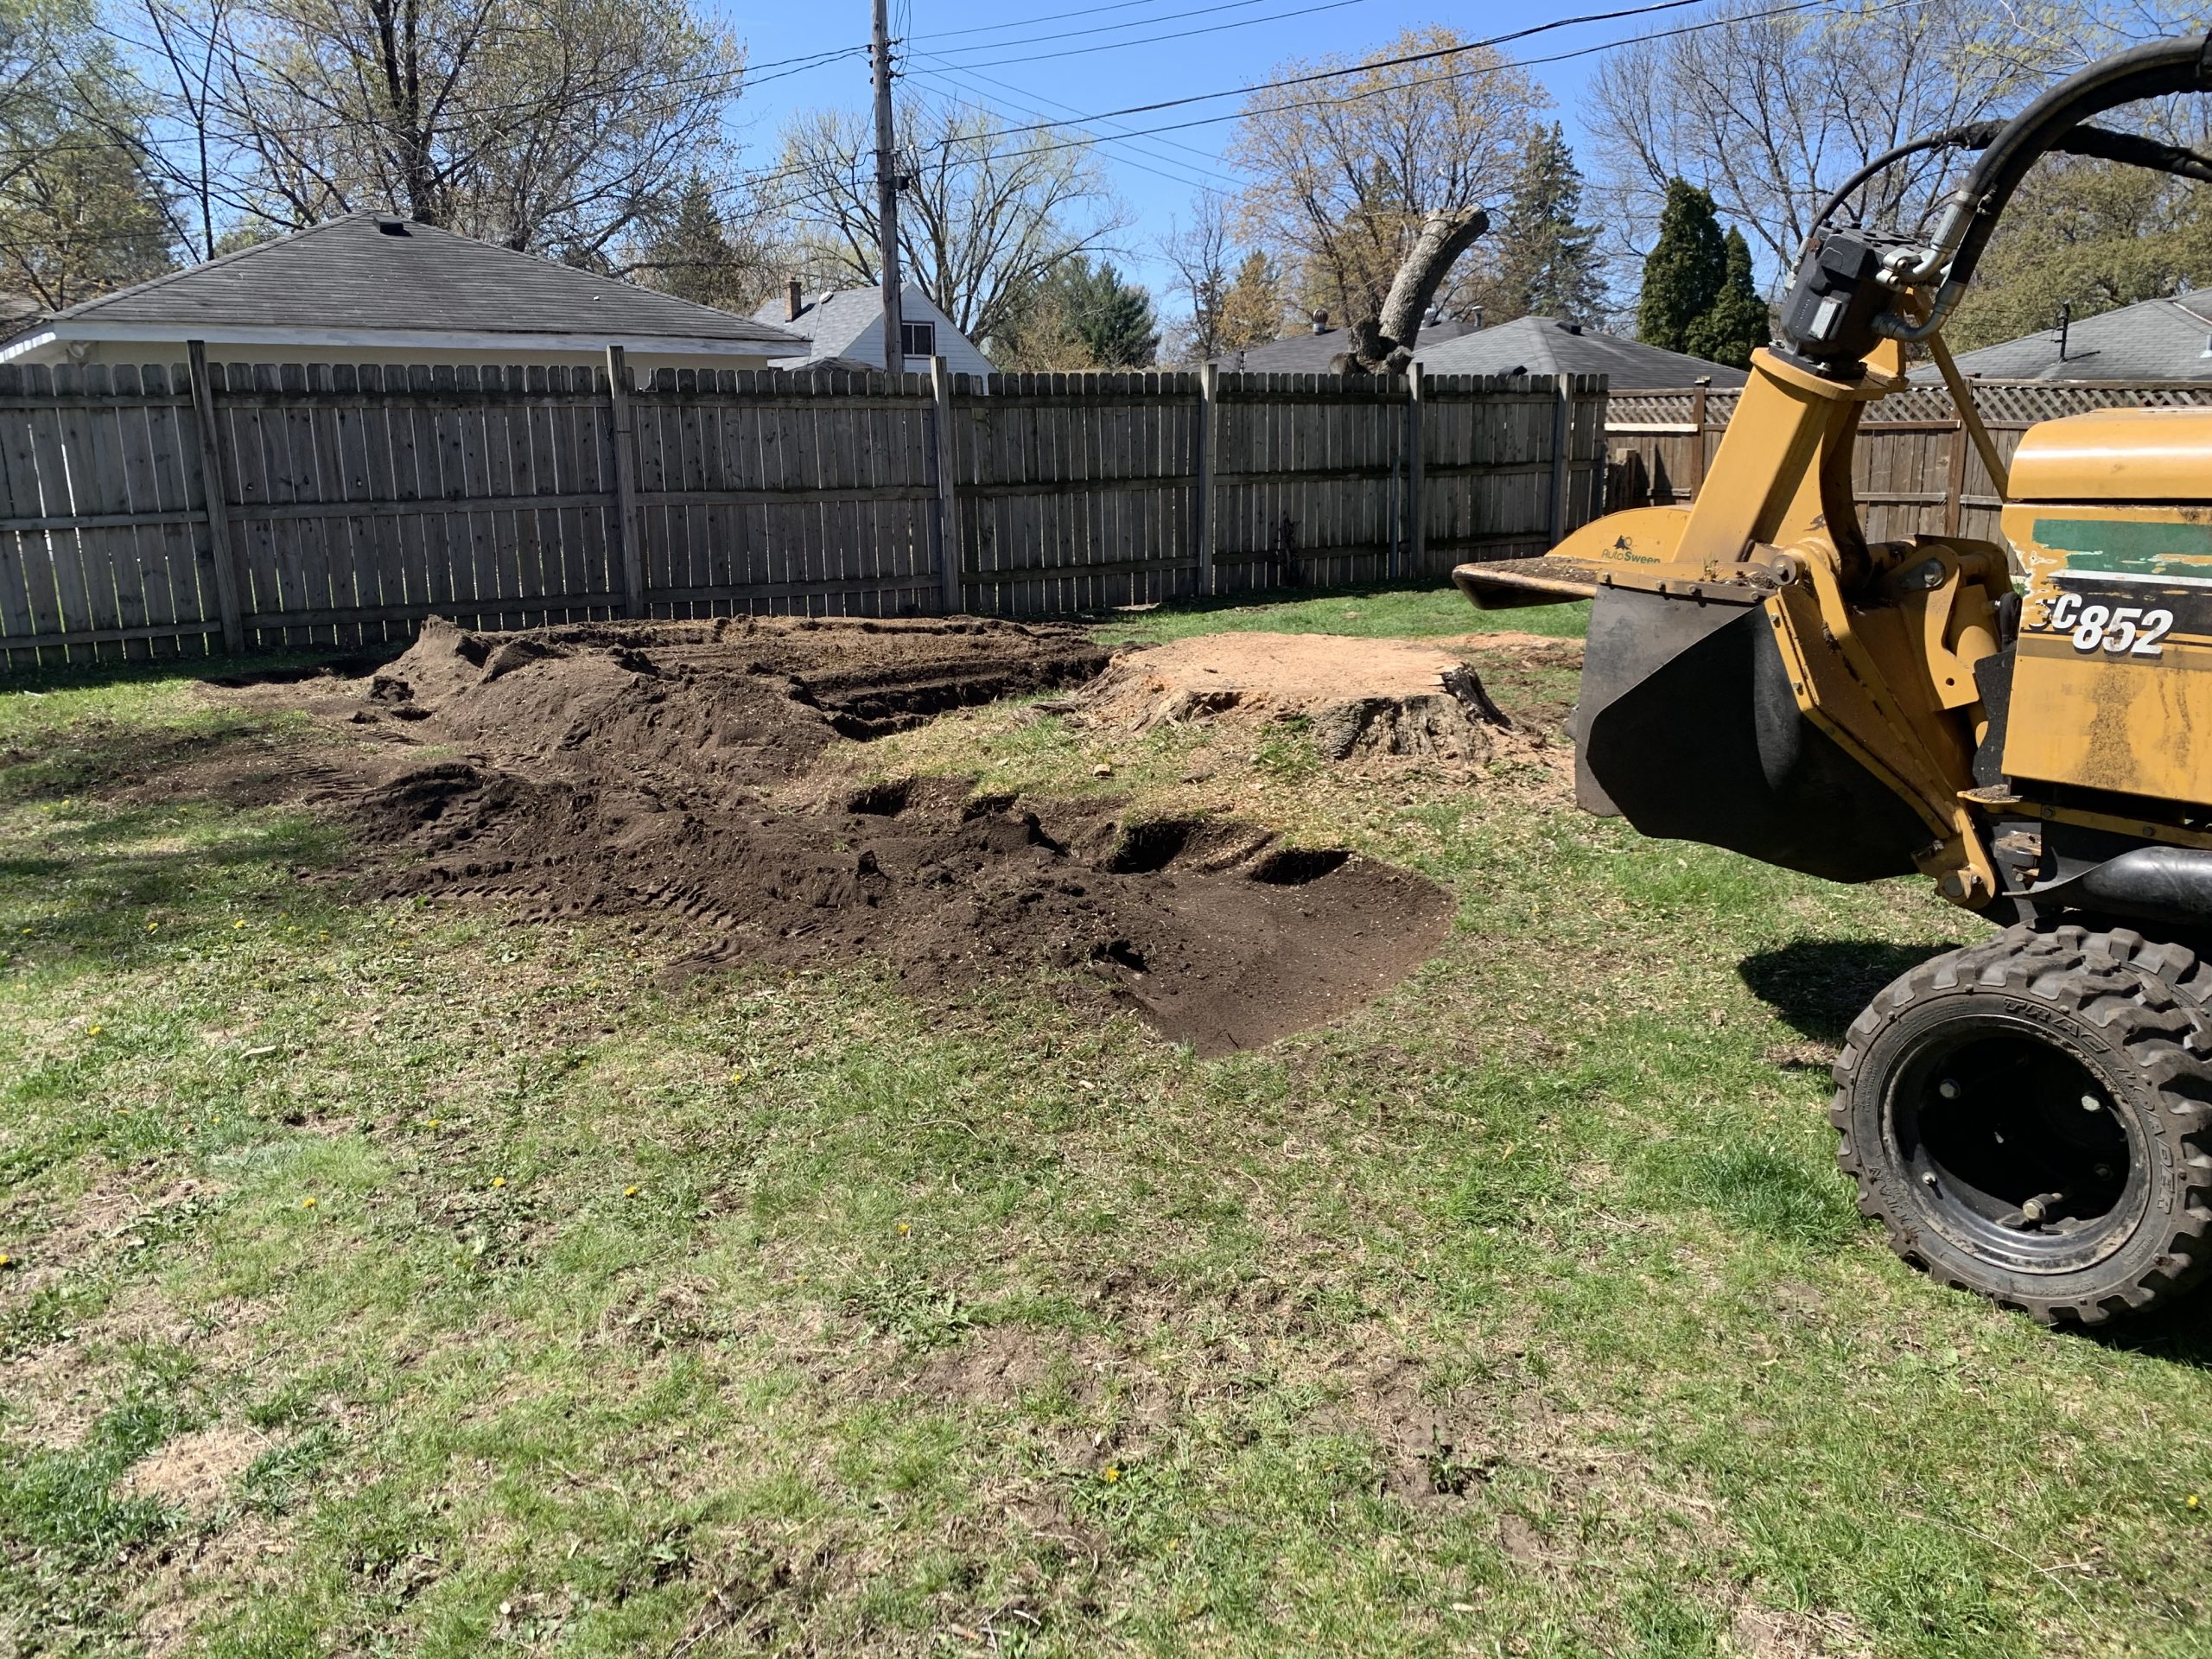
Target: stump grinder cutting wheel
2031	1117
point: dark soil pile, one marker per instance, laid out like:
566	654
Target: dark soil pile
647	769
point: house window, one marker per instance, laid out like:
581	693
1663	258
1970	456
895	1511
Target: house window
917	340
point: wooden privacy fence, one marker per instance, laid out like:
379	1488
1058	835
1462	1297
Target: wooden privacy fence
347	503
1914	467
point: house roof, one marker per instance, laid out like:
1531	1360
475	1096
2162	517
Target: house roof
831	320
2152	340
845	323
1549	345
1313	353
368	271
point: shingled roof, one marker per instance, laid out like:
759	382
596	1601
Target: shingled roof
1548	345
846	326
372	272
2152	340
1313	353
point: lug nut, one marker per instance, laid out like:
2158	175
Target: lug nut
2091	1103
2033	1209
1927	1177
1948	1089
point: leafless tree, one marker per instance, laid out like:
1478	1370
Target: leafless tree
183	49
1770	112
1344	175
560	126
985	217
1204	263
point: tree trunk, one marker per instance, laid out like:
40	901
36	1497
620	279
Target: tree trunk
1386	342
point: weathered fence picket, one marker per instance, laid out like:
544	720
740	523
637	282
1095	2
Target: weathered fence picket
1916	472
158	511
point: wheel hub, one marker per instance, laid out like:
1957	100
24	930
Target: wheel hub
2013	1147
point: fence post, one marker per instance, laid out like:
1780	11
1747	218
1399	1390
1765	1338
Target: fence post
1555	527
217	494
1416	513
1209	391
1954	486
626	484
948	486
1697	437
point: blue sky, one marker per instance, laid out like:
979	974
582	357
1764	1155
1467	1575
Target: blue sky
1157	177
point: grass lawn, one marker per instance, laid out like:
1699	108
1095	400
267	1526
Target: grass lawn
385	1279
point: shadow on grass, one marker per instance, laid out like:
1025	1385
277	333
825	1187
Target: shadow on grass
247	668
1821	985
2180	1333
93	752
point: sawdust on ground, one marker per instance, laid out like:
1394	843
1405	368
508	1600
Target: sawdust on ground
1362	702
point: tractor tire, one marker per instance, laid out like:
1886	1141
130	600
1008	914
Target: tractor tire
2030	1119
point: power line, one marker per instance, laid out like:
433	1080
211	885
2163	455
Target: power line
1075	123
1382	92
989	107
1196	11
970	76
1431	56
1082	11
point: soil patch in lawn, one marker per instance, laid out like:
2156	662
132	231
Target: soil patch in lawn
195	1470
655	770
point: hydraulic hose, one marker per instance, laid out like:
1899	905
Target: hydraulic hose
1970	213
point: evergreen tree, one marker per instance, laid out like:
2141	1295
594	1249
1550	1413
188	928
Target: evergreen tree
1113	319
1738	323
1081	316
1546	262
1684	276
695	256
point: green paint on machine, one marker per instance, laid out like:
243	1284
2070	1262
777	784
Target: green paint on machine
2166	549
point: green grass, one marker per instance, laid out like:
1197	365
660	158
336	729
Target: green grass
1523	1312
1394	610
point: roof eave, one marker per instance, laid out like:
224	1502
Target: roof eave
776	345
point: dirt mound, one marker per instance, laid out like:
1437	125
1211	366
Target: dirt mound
652	770
1361	698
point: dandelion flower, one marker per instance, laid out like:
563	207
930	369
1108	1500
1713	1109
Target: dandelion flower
904	1228
1111	1473
2193	1501
6	1260
238	924
629	1192
306	1203
92	1031
737	1077
433	1122
498	1181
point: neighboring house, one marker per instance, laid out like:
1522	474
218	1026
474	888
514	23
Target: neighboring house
2153	339
845	329
372	289
1313	353
1549	345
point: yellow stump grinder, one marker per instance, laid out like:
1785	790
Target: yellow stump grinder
2031	1117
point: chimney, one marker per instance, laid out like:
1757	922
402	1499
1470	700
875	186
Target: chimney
794	301
1320	321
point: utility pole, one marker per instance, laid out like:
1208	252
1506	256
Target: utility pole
886	196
